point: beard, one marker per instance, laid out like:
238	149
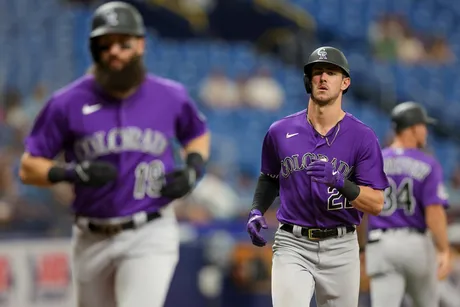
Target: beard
421	144
123	80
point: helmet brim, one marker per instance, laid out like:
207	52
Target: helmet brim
431	121
307	68
112	30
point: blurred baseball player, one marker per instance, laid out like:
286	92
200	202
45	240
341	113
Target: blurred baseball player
115	127
400	256
328	169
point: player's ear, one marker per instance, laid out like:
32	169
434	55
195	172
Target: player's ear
345	83
141	45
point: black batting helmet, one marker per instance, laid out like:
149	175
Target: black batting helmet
115	17
408	114
325	54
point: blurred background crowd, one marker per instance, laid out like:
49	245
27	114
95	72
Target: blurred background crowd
242	63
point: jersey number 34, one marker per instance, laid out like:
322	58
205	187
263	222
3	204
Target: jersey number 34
399	197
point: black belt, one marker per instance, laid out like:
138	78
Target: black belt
317	233
409	229
113	229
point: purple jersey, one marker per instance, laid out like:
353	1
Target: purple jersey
292	143
135	134
416	182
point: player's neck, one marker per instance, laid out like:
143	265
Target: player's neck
404	142
324	118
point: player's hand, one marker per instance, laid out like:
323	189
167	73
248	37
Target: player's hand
444	264
179	183
93	173
324	172
256	222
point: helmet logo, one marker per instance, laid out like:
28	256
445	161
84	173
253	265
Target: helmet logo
322	54
112	18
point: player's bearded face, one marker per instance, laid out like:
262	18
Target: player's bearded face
327	83
121	66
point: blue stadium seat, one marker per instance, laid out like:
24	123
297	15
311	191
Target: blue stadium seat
60	54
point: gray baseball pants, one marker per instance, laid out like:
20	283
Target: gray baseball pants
329	268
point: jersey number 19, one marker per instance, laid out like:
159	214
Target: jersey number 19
148	179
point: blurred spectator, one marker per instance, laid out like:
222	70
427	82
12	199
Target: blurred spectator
393	39
14	113
410	48
251	268
240	83
34	210
213	198
262	91
6	213
439	52
8	186
218	91
383	35
34	103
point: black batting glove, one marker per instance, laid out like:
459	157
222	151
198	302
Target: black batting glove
86	173
95	173
180	182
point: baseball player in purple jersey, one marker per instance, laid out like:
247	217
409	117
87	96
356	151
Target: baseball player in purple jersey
400	255
327	167
116	127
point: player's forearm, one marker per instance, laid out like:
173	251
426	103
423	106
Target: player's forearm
200	145
369	201
362	232
35	170
266	191
436	221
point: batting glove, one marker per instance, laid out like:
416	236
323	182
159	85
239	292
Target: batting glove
87	173
324	172
179	183
256	222
94	173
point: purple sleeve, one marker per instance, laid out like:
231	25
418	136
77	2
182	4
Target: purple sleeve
191	123
434	191
369	169
48	132
270	163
